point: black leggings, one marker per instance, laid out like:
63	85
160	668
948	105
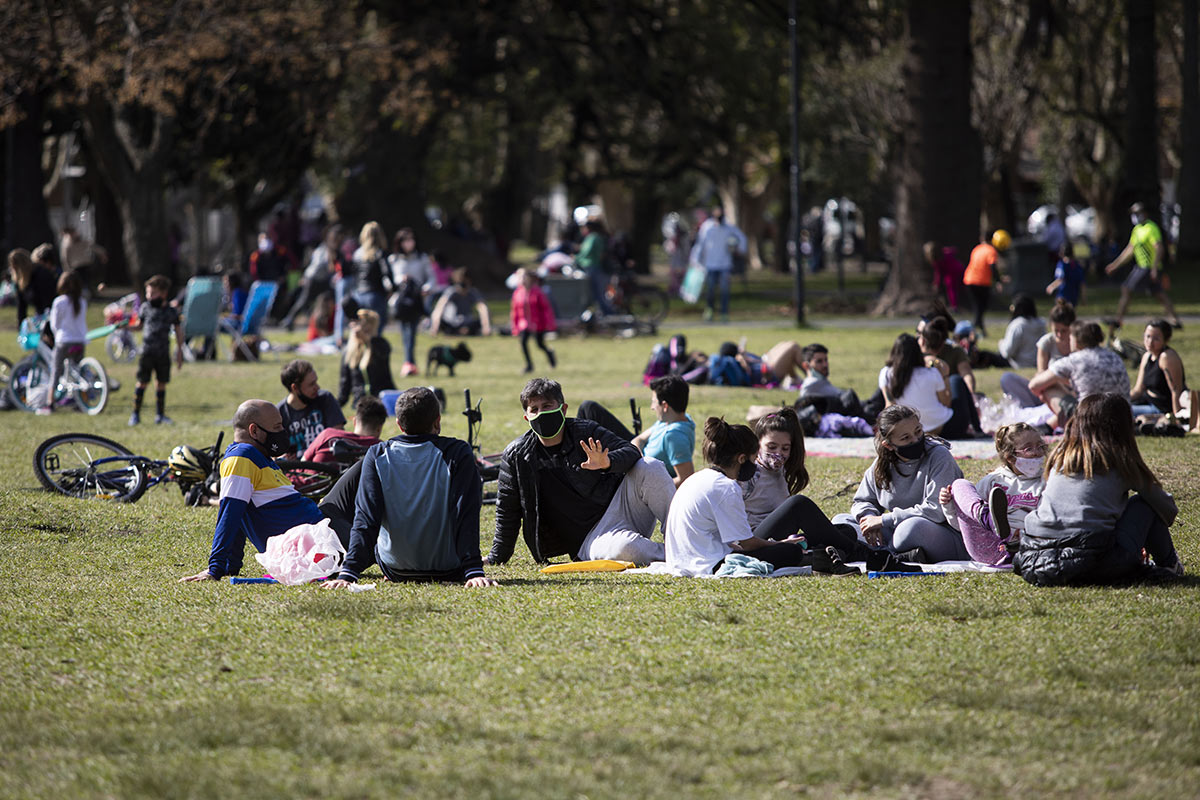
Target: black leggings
979	300
798	514
592	410
541	342
781	554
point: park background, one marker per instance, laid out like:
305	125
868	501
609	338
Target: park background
193	122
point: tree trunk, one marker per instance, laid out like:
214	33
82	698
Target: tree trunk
647	210
1141	116
26	223
1189	125
938	195
131	156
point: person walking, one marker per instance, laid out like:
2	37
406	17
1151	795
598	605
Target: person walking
714	250
1147	250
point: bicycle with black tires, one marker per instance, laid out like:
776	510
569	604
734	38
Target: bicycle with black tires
83	383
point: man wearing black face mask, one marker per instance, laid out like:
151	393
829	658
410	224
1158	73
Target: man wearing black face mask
308	409
257	500
577	489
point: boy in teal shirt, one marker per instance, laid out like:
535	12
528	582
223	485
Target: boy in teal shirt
672	439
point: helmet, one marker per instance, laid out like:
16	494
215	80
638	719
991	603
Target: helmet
188	464
1001	239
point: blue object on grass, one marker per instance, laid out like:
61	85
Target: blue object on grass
236	581
901	574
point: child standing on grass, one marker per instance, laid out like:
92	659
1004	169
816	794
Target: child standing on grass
156	320
991	514
1084	530
68	324
531	315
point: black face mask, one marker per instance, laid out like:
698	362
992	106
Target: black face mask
912	451
277	443
548	423
304	399
158	302
746	470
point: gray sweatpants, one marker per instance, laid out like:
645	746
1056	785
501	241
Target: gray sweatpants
623	533
939	541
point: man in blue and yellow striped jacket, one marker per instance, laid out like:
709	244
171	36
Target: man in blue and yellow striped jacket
257	501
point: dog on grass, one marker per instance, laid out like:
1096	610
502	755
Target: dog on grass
443	355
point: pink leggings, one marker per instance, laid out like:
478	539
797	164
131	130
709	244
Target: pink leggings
975	522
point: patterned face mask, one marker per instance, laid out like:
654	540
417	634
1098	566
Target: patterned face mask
772	462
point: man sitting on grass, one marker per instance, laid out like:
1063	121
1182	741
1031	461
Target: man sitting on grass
671	439
416	510
257	501
817	389
369	416
576	489
308	409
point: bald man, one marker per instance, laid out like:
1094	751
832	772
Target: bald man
257	500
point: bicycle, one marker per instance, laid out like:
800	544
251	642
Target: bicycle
91	467
83	382
120	343
314	479
647	304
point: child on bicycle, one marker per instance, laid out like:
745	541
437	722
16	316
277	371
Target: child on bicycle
156	321
68	325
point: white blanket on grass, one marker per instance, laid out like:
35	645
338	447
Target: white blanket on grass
946	566
661	568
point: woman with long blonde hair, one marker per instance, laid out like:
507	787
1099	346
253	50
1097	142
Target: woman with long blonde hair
365	362
372	275
35	284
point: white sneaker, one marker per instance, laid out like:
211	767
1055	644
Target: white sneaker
44	411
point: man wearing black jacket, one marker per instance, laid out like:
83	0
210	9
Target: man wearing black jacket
576	489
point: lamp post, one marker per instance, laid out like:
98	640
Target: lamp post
797	263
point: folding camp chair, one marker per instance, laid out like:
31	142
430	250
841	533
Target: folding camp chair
200	311
258	304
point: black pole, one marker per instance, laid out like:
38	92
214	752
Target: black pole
796	261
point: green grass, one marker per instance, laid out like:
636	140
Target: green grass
120	682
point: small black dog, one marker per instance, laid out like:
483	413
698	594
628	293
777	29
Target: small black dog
443	355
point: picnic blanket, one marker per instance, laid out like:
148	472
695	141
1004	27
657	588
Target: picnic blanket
946	566
865	448
661	568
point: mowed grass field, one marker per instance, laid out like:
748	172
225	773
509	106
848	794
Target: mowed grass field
120	682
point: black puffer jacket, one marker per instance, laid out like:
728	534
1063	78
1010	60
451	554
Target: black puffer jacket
1089	557
517	501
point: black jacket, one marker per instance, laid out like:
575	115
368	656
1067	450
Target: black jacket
517	500
352	384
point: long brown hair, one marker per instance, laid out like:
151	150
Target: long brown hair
358	349
886	458
905	357
68	284
786	421
1099	438
21	267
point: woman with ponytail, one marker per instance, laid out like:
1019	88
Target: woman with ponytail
707	520
366	367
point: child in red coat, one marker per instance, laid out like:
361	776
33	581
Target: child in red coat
531	315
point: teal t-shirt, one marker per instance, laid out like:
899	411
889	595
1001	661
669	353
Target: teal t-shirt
671	443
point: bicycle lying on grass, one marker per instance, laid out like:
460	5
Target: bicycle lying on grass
92	467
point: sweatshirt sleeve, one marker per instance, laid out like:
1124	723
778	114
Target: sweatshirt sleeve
866	499
368	507
228	539
1162	503
466	490
508	510
939	470
622	455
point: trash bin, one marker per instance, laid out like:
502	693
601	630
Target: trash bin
1029	267
569	297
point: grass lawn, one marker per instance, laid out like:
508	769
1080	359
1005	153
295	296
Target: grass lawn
120	682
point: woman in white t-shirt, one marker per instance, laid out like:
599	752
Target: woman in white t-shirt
919	382
68	323
707	520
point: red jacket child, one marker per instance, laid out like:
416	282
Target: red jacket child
531	309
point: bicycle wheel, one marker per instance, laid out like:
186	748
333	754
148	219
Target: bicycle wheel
91	386
649	304
90	467
311	479
28	383
121	346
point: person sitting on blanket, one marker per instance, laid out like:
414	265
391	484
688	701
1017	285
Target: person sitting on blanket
1090	369
257	501
574	488
671	439
896	506
369	415
708	521
416	510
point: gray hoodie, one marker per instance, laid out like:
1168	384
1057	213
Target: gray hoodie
914	489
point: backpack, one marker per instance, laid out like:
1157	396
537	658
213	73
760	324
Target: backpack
725	370
407	304
677	350
659	364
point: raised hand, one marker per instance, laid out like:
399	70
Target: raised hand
597	455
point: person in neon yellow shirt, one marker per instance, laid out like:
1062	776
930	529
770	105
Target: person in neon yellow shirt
1146	248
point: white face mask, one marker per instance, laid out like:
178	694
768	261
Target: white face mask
1029	467
1134	219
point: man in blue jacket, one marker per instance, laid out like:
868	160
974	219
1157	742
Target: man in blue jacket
416	511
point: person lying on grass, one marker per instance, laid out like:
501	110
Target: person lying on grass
574	488
991	515
896	506
1085	530
256	500
416	509
671	439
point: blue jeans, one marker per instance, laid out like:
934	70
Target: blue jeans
963	406
599	281
408	335
1146	408
724	277
376	301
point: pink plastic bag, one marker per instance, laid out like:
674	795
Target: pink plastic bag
303	553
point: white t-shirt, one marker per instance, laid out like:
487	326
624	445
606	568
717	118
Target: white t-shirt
921	396
707	515
68	327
